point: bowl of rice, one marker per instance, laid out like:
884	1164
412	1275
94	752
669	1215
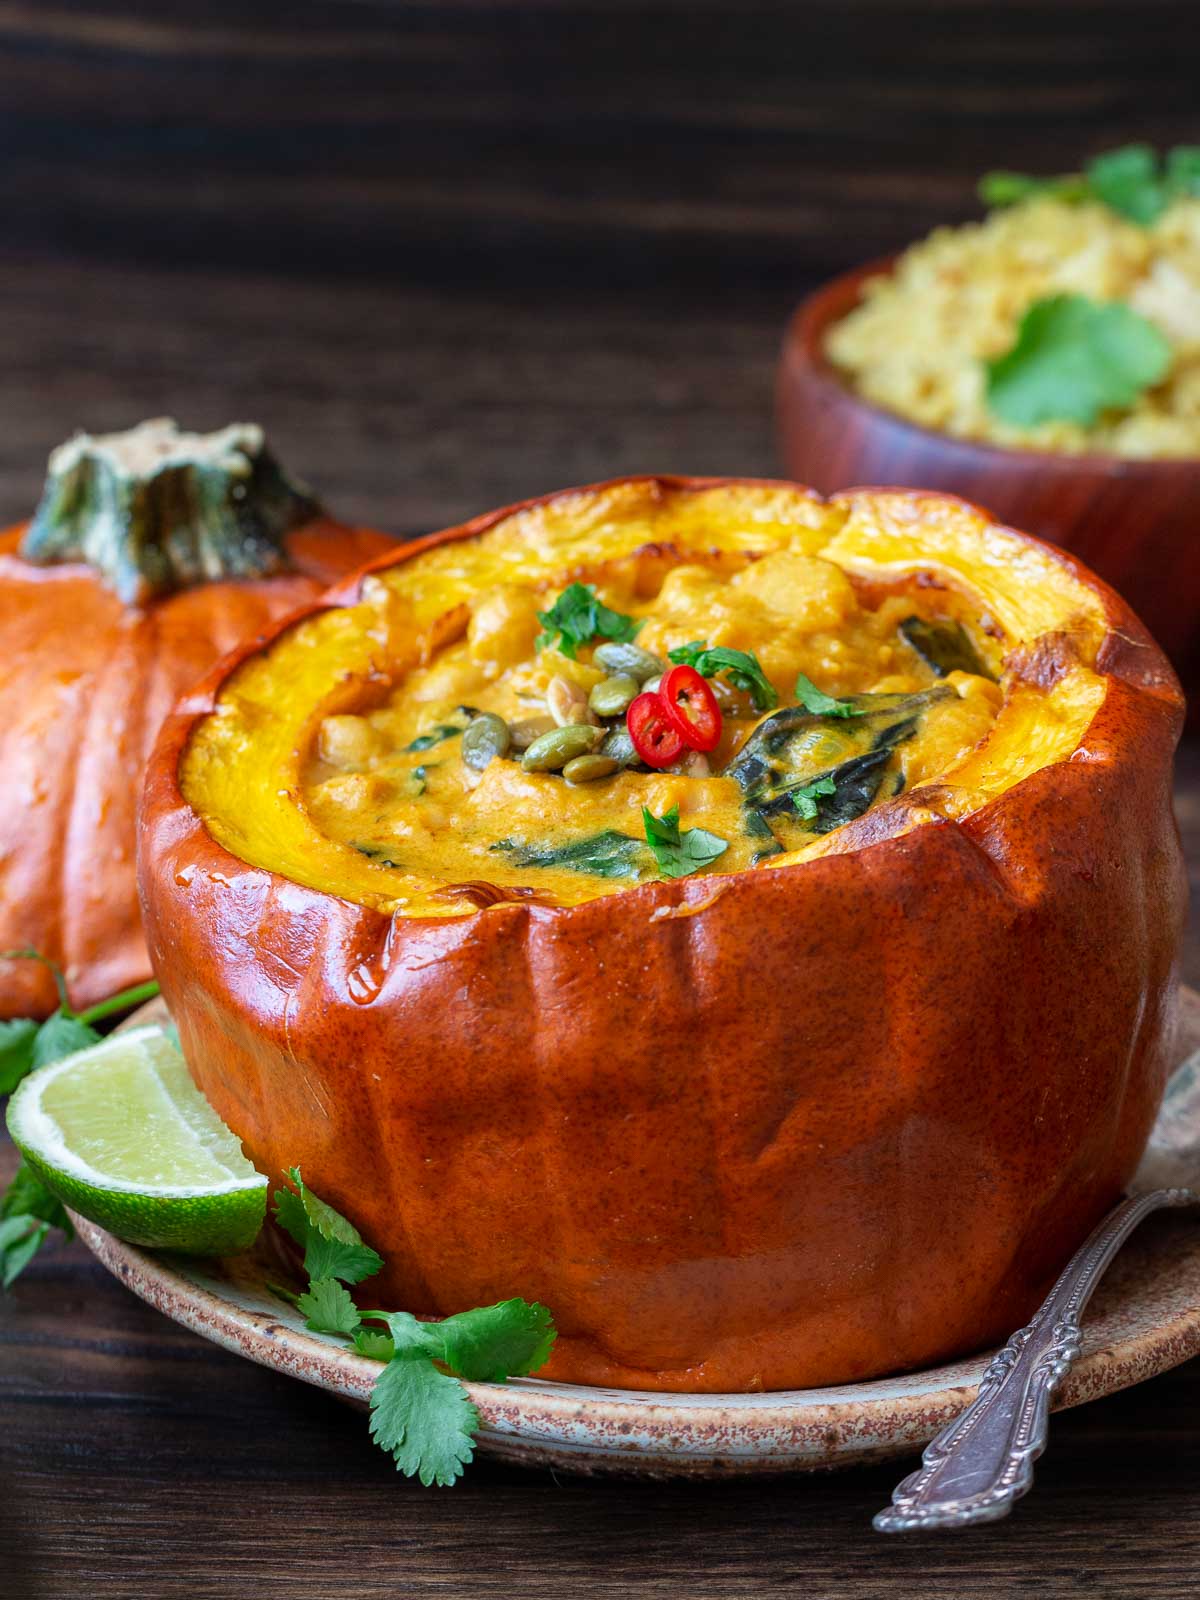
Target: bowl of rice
1044	361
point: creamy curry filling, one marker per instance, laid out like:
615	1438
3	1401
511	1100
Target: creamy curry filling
668	717
884	649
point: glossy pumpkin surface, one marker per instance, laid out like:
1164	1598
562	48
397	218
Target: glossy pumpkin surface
86	684
837	1114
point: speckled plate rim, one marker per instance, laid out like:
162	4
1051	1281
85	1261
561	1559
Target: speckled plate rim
1145	1319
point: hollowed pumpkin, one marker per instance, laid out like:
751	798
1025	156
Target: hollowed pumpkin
151	554
840	1112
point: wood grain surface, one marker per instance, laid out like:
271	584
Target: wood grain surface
452	254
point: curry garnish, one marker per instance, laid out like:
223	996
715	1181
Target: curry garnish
680	854
578	616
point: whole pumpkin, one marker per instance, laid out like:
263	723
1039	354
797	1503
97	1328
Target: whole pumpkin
151	555
841	1114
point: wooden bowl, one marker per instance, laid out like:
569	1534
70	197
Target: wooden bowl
1136	523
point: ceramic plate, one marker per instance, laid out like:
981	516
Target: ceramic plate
1144	1319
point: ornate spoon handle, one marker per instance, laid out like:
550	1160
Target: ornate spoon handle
983	1461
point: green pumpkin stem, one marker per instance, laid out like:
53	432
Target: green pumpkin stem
154	510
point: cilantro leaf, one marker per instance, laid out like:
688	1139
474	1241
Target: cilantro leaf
805	799
484	1345
1129	182
819	704
28	1212
61	1035
742	667
491	1343
1183	169
21	1238
374	1345
333	1247
424	1419
578	617
328	1308
997	189
16	1051
679	855
1074	358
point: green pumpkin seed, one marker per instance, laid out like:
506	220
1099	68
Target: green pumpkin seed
619	747
528	729
586	769
628	659
553	750
486	737
614	696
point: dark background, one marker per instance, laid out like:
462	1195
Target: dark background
451	255
459	253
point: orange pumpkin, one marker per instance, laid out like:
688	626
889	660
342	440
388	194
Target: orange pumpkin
840	1113
104	620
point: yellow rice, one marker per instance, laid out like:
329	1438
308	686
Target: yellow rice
917	343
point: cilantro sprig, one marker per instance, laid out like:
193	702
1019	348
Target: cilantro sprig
1074	358
680	854
741	667
577	617
819	704
1132	181
807	800
29	1212
420	1412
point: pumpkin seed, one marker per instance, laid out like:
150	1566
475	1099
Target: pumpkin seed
586	769
487	736
614	696
553	750
619	747
628	659
528	729
567	703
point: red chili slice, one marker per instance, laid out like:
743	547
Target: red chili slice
691	709
655	737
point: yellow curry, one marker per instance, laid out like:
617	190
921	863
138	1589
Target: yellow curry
464	732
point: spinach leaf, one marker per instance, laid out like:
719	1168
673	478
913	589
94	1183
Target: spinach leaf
604	855
944	646
780	759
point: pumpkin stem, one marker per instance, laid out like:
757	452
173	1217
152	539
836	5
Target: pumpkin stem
154	510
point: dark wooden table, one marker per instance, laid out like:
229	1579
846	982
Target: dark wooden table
452	255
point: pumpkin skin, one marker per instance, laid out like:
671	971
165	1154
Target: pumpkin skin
87	683
771	1129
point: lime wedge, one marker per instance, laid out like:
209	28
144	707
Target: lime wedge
123	1136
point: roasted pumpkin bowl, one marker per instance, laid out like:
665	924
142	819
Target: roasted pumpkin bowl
1132	520
838	1098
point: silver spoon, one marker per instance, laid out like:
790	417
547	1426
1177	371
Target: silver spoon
982	1462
